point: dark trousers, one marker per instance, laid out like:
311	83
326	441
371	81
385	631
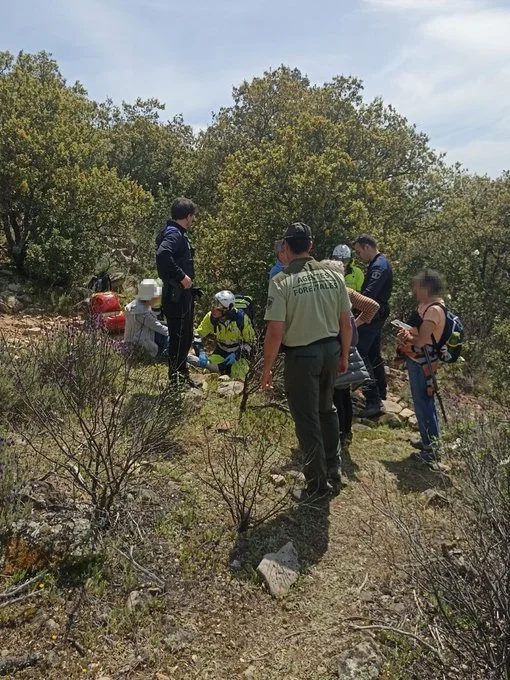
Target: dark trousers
343	402
369	346
179	317
309	375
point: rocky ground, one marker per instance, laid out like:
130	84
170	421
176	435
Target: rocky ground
171	591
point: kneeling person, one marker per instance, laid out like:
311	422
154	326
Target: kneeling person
233	333
142	325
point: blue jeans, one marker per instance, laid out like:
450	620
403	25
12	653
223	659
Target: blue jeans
424	407
161	341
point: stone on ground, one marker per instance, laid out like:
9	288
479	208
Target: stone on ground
230	389
360	663
406	413
435	498
392	406
280	570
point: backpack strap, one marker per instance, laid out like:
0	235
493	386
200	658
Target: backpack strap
437	345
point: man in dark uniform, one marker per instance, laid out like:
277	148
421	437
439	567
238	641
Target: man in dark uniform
174	260
377	285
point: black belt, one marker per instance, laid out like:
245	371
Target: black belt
322	341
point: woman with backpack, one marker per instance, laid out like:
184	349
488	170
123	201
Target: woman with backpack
421	347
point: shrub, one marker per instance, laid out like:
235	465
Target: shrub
91	415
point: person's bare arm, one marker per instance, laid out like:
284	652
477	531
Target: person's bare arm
272	343
367	307
345	340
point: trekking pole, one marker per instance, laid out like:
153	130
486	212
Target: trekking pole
434	382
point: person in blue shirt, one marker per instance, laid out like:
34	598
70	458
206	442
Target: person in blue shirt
377	285
278	266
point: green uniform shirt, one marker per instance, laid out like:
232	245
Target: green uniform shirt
355	279
310	297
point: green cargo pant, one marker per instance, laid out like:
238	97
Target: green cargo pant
310	374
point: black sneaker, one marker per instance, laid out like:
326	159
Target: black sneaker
372	410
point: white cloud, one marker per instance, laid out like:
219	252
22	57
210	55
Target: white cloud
484	156
430	6
482	33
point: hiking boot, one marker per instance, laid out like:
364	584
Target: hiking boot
372	410
312	494
425	457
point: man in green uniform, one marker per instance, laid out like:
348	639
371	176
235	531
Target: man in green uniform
308	315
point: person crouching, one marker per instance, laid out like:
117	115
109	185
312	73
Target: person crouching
142	326
233	334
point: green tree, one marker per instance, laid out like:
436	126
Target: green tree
59	203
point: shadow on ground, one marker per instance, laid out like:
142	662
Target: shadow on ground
306	526
414	477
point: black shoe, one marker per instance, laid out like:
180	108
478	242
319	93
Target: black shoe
372	410
334	476
312	494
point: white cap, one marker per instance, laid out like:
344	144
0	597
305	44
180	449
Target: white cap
225	298
342	252
148	289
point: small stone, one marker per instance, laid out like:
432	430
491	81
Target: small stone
13	303
390	419
230	389
236	565
34	330
249	672
359	427
280	570
392	406
134	600
406	413
223	426
5	652
413	420
278	480
51	625
162	676
435	498
360	663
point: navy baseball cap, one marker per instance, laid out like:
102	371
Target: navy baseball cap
297	230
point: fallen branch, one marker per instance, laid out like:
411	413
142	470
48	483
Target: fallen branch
14	591
22	598
11	664
149	574
399	631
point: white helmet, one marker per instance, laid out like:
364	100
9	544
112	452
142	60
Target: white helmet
225	299
342	252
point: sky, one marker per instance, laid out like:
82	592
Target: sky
444	64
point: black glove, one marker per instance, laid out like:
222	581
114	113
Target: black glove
197	293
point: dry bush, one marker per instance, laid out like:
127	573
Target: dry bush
238	467
461	567
87	412
276	398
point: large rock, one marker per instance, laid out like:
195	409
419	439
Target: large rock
280	570
392	406
45	542
406	413
360	663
